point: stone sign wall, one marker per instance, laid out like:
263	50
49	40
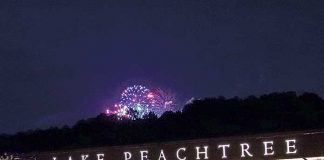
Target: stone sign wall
302	145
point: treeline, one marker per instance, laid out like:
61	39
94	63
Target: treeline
210	117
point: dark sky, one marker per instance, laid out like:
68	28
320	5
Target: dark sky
64	60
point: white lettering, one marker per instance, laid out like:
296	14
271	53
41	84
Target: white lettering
162	155
181	149
127	155
54	158
84	157
144	155
224	149
268	148
202	152
291	146
245	149
100	156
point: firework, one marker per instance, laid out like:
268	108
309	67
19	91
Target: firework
137	101
162	101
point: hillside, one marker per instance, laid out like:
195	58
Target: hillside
209	117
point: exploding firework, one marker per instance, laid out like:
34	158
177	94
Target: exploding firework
162	101
137	101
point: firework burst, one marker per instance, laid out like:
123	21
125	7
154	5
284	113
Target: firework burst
137	101
162	101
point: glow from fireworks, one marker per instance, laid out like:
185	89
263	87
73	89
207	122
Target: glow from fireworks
137	101
162	101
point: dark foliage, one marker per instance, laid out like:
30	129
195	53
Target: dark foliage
210	117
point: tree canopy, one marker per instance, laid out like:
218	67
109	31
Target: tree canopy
209	117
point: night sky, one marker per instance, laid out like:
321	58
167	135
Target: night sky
62	61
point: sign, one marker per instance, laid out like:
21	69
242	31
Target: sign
281	146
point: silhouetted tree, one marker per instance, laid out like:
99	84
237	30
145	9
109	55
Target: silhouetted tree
209	117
